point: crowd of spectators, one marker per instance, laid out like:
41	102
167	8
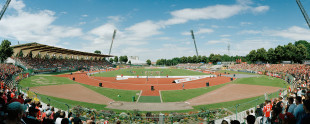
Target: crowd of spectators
42	64
7	70
193	66
301	72
17	109
291	109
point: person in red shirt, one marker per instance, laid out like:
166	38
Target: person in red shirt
267	110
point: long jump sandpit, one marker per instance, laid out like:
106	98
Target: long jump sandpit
74	92
231	92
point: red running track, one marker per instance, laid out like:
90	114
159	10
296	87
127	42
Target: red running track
143	84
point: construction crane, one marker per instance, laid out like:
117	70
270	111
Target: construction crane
194	42
114	33
4	8
304	13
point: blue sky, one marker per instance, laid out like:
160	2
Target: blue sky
154	29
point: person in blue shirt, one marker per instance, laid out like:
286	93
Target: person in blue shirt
292	105
299	111
306	118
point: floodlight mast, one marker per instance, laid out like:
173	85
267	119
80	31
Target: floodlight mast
114	33
194	42
4	8
304	13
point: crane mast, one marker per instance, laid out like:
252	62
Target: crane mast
304	13
4	8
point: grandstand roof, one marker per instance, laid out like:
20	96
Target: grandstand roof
51	49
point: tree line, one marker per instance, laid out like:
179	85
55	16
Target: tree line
214	58
296	53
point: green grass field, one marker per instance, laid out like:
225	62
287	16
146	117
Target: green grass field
125	95
262	80
150	99
141	72
45	80
183	95
60	103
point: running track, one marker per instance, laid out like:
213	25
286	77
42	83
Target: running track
141	83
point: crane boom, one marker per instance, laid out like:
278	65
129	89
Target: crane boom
194	42
114	33
4	8
304	13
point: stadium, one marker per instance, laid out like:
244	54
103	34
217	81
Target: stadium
43	83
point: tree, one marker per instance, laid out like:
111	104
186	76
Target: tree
215	58
148	62
279	53
306	44
129	62
225	58
111	60
190	59
5	50
125	59
97	52
121	59
195	59
115	59
252	56
261	54
204	59
271	55
183	59
301	53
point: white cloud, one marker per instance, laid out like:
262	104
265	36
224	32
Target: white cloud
294	33
249	32
260	9
225	35
115	18
82	23
212	12
223	40
85	15
200	31
245	23
18	5
34	27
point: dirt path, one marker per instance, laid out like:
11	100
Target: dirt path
74	92
171	106
231	92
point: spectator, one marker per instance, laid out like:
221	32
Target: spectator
299	112
306	118
47	119
267	111
224	122
287	118
65	121
15	112
250	119
258	111
31	118
292	105
76	119
62	115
